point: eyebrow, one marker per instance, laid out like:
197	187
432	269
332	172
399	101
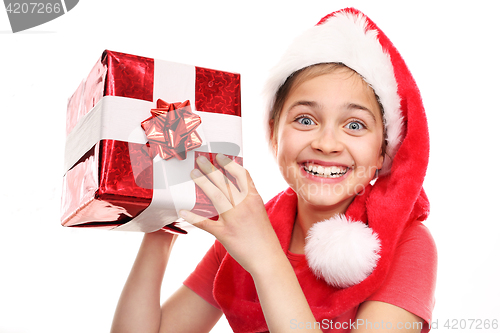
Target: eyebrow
352	106
348	106
310	104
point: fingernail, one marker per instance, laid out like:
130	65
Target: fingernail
202	159
222	157
196	173
183	213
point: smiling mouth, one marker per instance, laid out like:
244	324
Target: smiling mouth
325	172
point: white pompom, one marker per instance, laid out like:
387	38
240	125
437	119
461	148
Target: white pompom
342	252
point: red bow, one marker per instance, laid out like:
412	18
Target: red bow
171	130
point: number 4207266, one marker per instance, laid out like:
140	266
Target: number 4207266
477	324
34	8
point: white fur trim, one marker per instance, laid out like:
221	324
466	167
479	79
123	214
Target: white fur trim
342	252
344	38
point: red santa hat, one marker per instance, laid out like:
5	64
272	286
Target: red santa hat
341	250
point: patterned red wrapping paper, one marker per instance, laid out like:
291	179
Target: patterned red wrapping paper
112	183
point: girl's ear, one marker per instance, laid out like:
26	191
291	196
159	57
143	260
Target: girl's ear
272	138
381	158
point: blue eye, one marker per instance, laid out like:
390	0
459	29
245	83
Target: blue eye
355	125
303	120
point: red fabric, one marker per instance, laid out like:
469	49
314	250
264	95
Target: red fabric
410	283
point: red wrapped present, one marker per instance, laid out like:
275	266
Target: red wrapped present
134	128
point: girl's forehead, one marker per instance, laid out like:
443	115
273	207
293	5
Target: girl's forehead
333	70
334	86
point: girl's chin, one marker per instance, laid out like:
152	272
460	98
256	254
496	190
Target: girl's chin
325	200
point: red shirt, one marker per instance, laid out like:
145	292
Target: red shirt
409	285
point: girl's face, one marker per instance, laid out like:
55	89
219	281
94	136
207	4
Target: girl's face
329	139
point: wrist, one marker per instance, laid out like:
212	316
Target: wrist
160	238
271	264
156	247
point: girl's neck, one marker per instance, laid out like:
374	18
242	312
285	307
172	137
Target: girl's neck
306	216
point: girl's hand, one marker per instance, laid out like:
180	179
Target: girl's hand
243	226
246	233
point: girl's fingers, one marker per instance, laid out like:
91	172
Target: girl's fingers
220	180
237	171
218	198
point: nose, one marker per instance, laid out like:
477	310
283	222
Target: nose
327	141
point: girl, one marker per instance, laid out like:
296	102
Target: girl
343	249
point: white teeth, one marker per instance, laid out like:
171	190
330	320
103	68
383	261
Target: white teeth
327	172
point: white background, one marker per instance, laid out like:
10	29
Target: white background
54	279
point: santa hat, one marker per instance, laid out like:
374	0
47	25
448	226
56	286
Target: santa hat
342	251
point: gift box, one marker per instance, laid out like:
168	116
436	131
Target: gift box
134	129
